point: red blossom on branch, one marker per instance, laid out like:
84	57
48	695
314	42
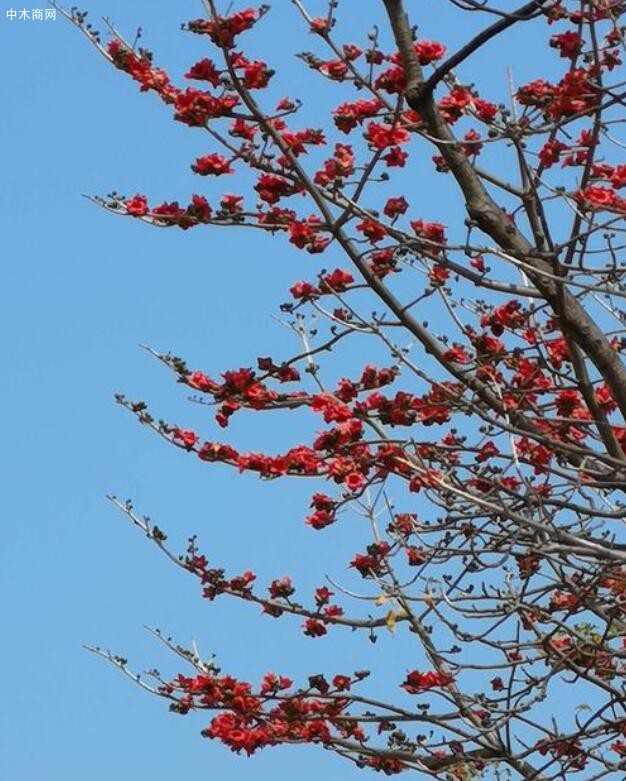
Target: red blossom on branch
480	436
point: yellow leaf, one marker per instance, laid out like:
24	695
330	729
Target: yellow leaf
382	599
390	621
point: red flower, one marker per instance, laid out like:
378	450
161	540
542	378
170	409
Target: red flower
429	51
204	70
485	110
372	562
322	596
354	481
569	44
306	235
332	409
202	382
432	231
351	51
213	164
256	75
386	765
281	589
195	108
271	683
416	556
223	30
457	355
336	70
372	230
188	438
137	206
599	197
396	157
472	145
338	166
396	206
342	683
272	188
314	628
454	105
392	81
319	26
231	203
303	291
550	152
320	519
383	136
349	115
337	281
417	682
438	275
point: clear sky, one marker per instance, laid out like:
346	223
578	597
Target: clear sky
80	291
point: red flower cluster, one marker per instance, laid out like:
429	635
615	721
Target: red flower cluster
349	115
194	107
576	93
251	721
340	165
506	316
223	30
371	563
140	68
169	214
382	136
417	682
599	198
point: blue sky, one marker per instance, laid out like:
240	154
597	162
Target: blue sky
80	291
